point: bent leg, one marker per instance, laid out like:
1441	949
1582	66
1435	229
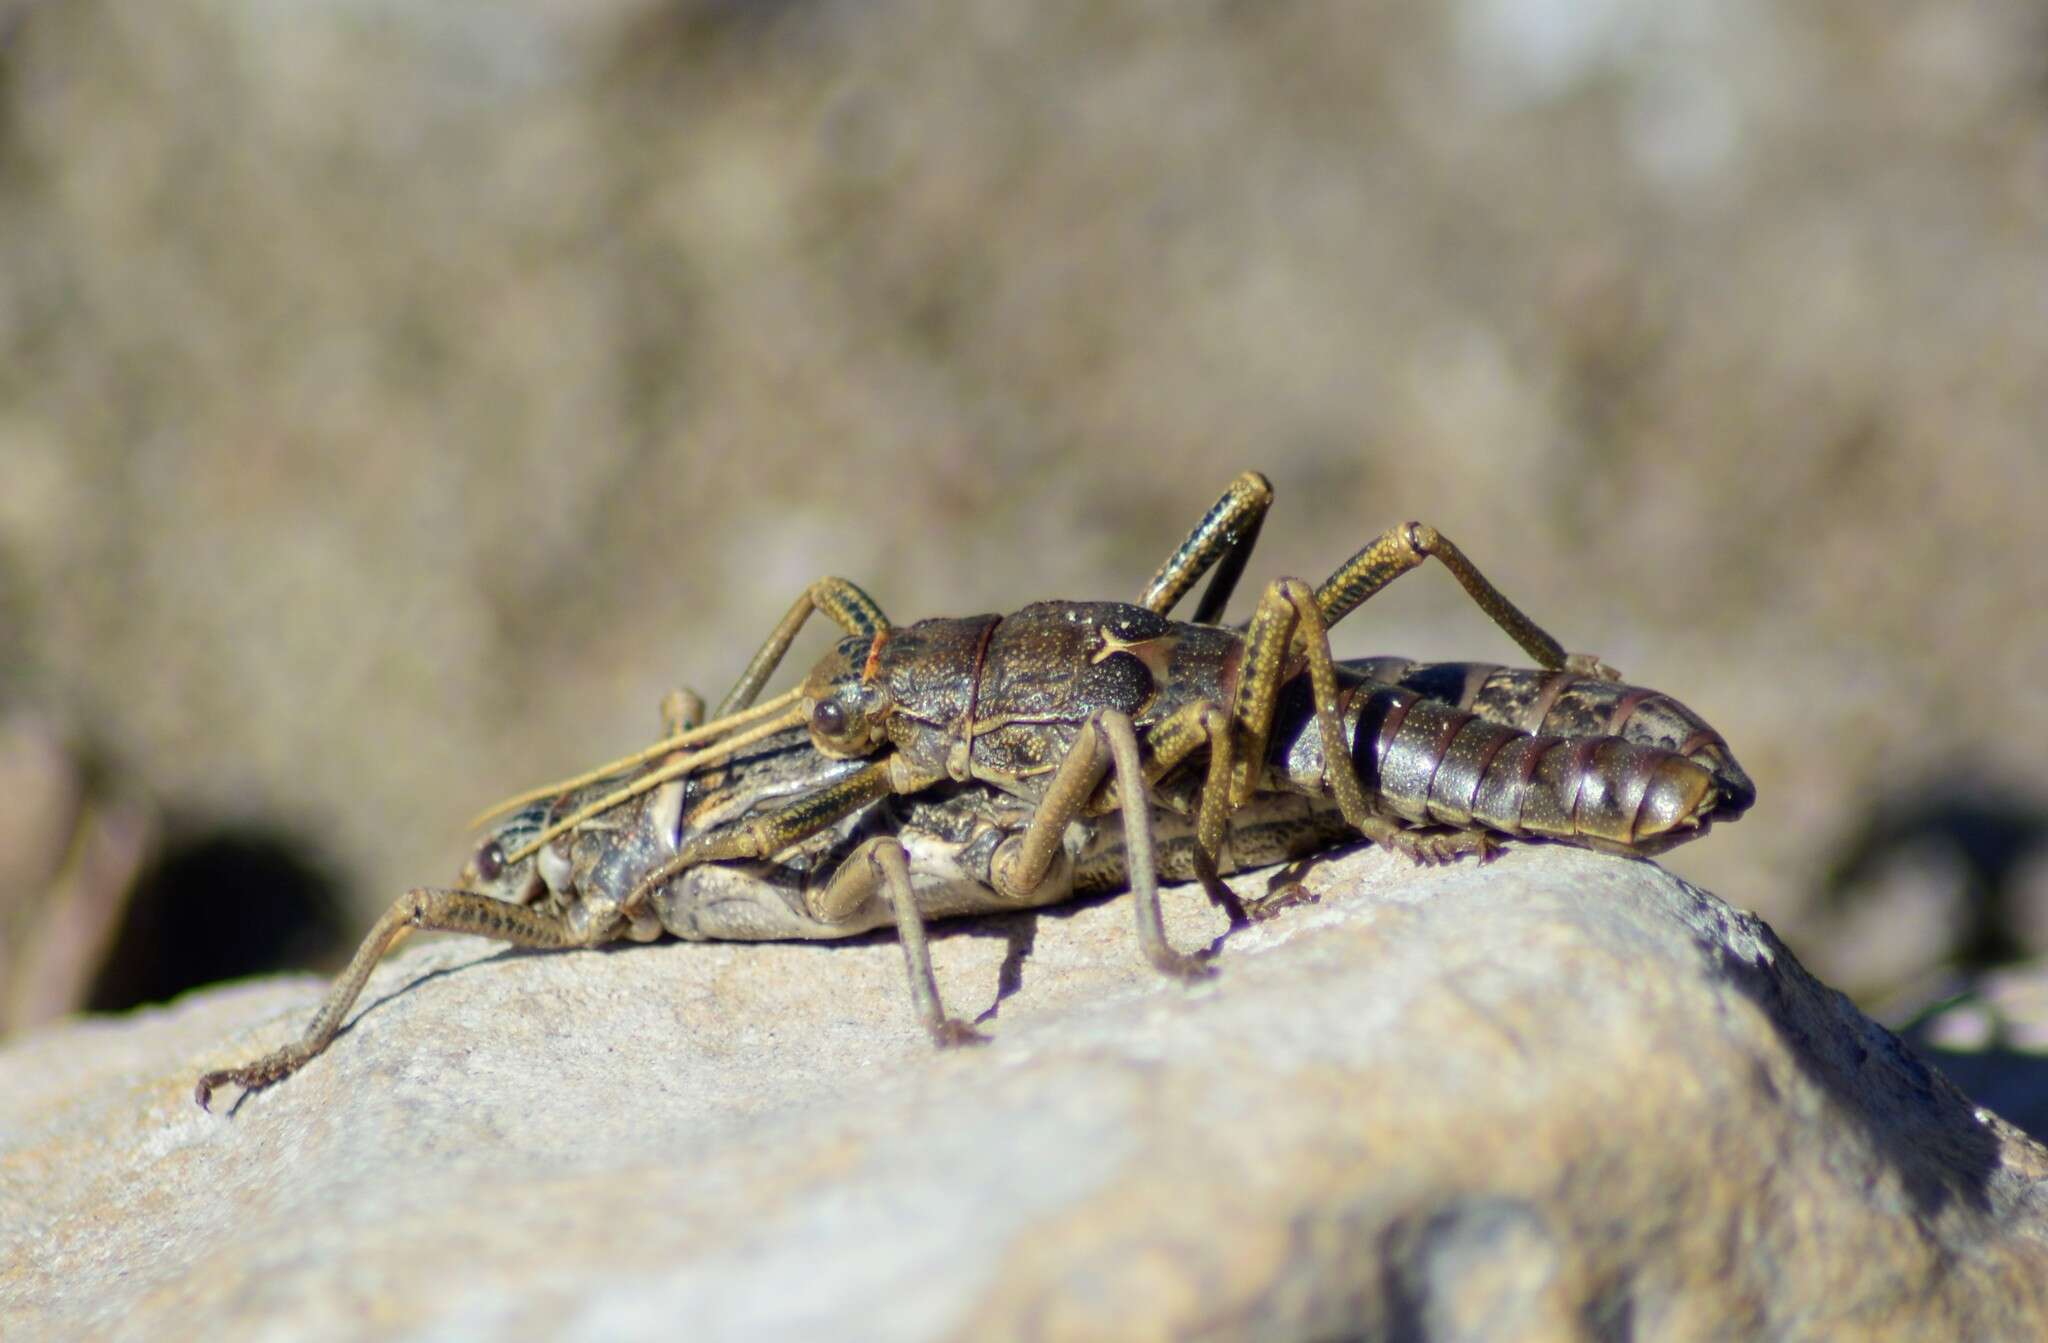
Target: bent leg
880	865
429	909
1286	610
1222	540
1404	548
850	608
1107	741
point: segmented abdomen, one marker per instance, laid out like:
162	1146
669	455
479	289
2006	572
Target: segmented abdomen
1444	744
1433	764
1565	704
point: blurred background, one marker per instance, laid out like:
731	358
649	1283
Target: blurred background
396	399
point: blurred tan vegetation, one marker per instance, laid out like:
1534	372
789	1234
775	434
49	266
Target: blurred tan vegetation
396	399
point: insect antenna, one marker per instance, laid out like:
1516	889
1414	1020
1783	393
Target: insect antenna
711	731
654	779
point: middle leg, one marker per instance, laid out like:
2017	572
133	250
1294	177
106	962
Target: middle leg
1287	610
881	866
1107	742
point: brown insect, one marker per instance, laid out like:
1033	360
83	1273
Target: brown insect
1082	708
845	878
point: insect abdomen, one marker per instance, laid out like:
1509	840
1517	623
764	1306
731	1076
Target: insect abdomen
1565	704
1432	763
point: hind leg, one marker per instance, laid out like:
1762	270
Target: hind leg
1404	548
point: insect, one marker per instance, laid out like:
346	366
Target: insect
1045	714
1083	708
573	890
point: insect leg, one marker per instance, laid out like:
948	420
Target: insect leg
1171	740
681	710
1107	741
429	909
1407	546
1286	609
1139	860
769	835
853	610
1223	539
880	865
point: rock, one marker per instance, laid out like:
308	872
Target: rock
1561	1096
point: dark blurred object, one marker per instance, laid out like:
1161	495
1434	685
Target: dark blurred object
1955	872
222	904
1989	1033
98	911
1938	897
67	861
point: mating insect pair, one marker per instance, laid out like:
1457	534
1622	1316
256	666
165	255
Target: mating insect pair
985	754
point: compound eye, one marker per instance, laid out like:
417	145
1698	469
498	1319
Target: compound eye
829	719
490	861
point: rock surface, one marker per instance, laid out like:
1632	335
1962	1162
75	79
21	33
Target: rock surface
1563	1096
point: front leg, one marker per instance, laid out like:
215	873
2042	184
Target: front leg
880	866
1106	741
769	835
850	608
431	910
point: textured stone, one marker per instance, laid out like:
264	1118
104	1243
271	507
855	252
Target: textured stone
1562	1096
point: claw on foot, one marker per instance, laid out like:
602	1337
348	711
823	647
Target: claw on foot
1186	969
1283	898
952	1032
250	1076
241	1077
1430	850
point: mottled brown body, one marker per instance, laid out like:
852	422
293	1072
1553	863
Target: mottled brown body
1523	752
1079	708
1564	704
952	831
1000	699
959	765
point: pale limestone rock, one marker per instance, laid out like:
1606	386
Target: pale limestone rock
1562	1096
